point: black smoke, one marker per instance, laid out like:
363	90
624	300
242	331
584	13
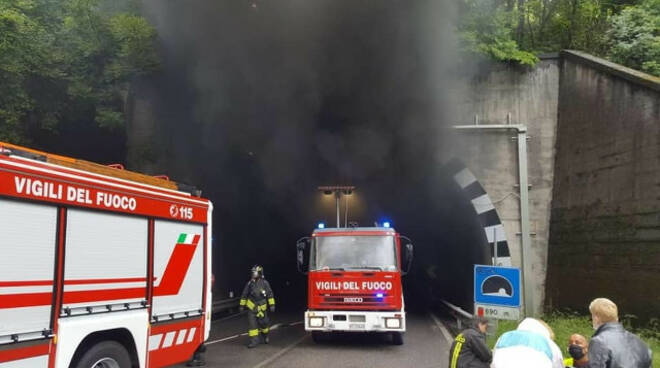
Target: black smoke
261	101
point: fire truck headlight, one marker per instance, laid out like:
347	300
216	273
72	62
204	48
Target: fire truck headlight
316	321
392	323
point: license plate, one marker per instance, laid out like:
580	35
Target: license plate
356	326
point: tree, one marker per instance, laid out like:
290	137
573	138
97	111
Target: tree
489	28
64	61
517	31
634	37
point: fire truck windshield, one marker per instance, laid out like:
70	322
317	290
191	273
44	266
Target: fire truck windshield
354	253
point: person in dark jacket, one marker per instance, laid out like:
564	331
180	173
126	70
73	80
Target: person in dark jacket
469	349
612	346
257	297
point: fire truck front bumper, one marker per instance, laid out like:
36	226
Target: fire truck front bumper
355	321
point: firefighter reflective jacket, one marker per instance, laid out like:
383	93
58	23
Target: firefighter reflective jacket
257	296
469	350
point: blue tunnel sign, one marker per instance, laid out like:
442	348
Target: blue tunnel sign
498	286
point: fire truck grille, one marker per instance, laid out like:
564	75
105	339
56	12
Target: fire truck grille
352	299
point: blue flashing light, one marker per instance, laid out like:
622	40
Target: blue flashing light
321	225
386	224
379	295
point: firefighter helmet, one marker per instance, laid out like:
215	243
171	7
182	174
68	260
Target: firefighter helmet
257	271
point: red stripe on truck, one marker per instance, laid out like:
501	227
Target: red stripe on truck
70	282
25	300
175	273
24	353
177	268
26	283
72	297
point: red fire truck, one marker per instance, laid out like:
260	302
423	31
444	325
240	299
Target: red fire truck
354	280
99	266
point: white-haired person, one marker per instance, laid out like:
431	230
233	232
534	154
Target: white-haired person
612	346
530	345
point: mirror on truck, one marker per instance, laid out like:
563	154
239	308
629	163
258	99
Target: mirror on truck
407	256
302	254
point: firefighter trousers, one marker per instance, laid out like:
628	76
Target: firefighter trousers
258	323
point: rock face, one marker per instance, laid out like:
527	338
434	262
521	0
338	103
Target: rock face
605	228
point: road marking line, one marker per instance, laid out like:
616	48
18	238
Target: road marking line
296	323
442	328
274	327
281	352
229	317
223	339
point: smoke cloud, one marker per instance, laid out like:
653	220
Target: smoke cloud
261	101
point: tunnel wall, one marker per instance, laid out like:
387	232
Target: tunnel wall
530	96
605	230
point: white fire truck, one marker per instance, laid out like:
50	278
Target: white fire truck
99	266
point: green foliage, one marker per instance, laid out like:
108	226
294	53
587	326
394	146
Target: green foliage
487	30
624	31
64	61
634	37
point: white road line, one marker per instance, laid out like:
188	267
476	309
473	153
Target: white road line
281	352
297	323
442	328
272	328
224	339
229	317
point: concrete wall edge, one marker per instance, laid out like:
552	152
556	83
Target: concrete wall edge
631	75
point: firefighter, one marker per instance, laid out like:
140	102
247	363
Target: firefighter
469	349
257	297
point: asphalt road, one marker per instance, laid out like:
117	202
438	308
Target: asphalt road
426	345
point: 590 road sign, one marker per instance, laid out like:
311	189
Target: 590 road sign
497	312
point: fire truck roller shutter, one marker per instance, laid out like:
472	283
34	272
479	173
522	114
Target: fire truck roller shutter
178	269
105	259
34	362
27	259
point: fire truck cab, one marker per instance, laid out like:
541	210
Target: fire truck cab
354	280
99	266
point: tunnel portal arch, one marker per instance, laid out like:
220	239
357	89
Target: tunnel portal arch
495	236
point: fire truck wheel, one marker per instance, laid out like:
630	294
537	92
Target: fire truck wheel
397	338
105	354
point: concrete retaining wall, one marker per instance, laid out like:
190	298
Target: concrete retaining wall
530	97
605	229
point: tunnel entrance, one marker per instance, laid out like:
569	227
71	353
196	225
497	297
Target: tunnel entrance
469	232
448	216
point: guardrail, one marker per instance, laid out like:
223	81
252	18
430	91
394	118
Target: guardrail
458	313
225	304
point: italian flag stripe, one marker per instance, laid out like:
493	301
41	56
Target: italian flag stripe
188	238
